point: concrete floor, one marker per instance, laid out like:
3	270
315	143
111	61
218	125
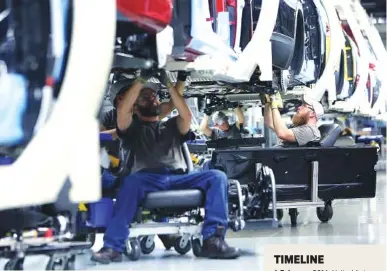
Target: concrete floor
359	221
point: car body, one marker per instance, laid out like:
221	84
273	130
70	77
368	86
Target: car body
347	75
143	36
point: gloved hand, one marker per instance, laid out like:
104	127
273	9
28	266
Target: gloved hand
276	101
163	78
265	98
145	75
182	76
208	112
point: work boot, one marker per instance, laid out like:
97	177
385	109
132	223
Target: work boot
168	240
216	247
107	255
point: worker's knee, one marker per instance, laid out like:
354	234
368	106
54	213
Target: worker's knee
131	182
218	178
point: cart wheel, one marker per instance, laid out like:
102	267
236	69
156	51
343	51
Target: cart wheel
237	224
196	247
133	249
325	214
182	245
14	264
280	214
293	213
147	245
70	263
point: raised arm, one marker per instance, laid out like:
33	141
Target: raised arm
267	114
185	116
168	107
126	103
204	127
280	128
240	117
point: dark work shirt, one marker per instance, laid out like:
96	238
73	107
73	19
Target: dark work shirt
109	121
154	145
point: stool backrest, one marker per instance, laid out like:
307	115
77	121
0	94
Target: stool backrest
187	157
329	134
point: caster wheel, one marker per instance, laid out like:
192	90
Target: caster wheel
147	245
182	245
293	216
280	214
325	214
237	225
14	264
196	247
133	249
70	263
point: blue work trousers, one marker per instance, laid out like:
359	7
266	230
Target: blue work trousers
135	187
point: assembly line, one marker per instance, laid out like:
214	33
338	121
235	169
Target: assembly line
179	127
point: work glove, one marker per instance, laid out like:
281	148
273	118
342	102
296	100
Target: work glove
163	78
265	98
182	76
145	75
276	101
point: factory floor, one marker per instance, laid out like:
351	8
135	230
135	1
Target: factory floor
358	221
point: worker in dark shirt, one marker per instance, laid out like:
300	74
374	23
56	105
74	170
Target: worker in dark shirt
109	120
109	124
222	128
159	165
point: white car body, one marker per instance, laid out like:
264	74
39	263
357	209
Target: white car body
56	153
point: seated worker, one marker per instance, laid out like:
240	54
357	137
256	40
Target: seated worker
109	124
304	128
159	165
222	128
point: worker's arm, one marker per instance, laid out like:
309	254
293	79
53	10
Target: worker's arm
185	116
280	128
240	117
125	107
168	107
267	114
204	128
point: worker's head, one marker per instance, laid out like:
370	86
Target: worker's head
309	112
220	121
117	91
148	104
